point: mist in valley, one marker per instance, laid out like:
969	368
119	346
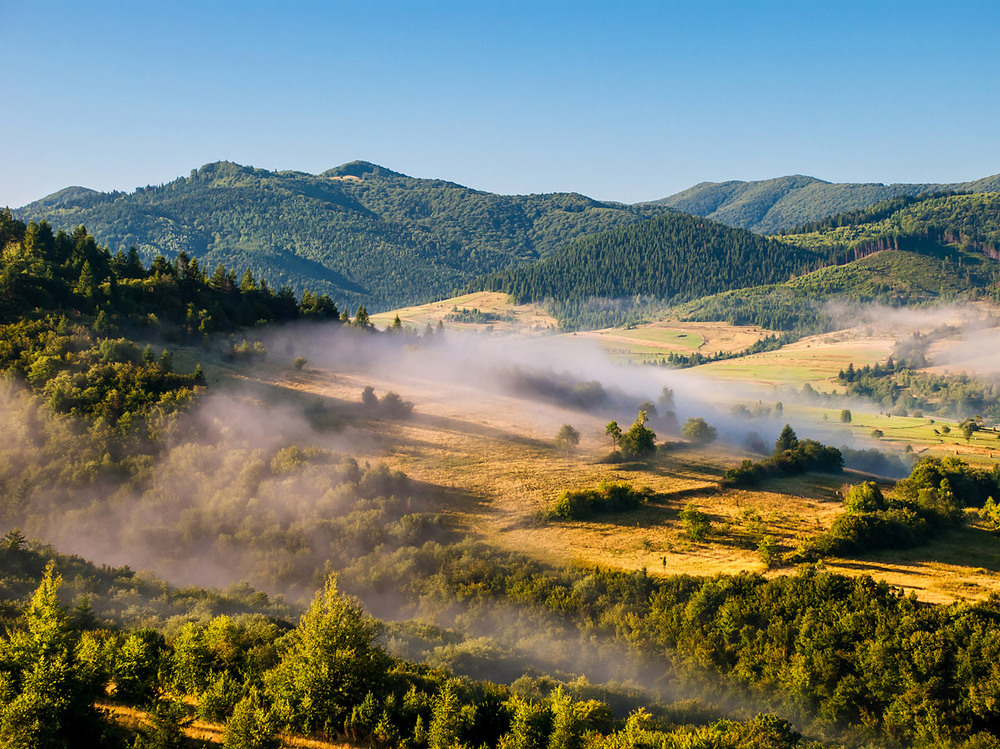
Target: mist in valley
280	476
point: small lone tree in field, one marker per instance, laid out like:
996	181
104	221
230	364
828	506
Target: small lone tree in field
845	416
567	438
614	433
699	431
368	397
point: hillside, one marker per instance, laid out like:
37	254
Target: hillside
672	257
773	205
925	249
892	277
359	232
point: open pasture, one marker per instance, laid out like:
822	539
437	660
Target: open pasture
521	318
492	465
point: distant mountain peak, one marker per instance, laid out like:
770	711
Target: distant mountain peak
360	170
68	197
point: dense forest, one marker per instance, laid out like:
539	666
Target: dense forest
819	301
778	205
905	252
359	232
672	257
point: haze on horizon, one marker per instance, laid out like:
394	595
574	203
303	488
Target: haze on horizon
632	104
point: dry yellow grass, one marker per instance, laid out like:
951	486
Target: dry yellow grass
659	339
492	462
204	733
524	317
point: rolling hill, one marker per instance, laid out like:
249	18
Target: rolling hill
773	205
673	257
359	232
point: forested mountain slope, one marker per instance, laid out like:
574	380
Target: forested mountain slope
774	205
359	232
674	256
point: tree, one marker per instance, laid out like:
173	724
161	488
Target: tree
252	725
968	427
695	522
47	700
446	719
330	662
666	399
699	431
614	433
368	397
877	434
864	498
787	440
567	438
361	319
845	416
639	441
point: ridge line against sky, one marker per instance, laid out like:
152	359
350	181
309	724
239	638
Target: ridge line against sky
629	103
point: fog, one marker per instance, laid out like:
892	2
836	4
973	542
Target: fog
273	478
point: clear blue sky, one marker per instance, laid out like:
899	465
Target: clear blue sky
626	101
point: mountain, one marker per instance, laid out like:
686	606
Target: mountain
908	250
359	232
774	205
674	256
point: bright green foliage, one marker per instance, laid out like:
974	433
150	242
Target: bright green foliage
136	667
447	720
864	497
609	497
168	718
252	725
328	664
922	505
46	698
530	725
696	523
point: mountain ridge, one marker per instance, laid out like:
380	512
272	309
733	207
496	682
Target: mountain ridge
782	203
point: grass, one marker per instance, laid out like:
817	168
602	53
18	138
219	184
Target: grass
491	462
657	340
526	317
200	733
815	360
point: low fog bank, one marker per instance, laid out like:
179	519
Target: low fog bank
260	482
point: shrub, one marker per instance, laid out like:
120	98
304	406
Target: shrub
695	523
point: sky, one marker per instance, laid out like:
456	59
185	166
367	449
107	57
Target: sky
624	101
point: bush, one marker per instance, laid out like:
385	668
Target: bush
395	407
252	725
607	498
695	523
699	431
639	441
